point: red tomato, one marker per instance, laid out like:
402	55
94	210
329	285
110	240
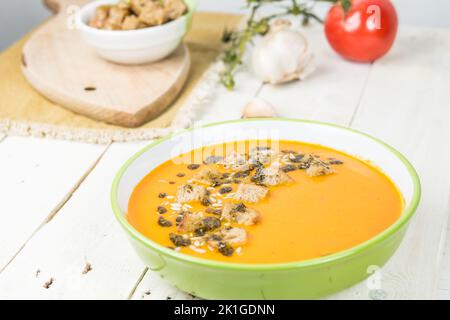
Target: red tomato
365	33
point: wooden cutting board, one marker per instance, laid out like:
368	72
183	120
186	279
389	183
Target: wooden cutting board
60	66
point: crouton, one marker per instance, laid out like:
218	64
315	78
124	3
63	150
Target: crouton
124	4
235	161
274	176
197	223
153	14
116	16
191	192
208	175
100	16
248	218
130	23
318	168
213	159
250	193
190	222
306	161
239	213
110	26
137	6
271	176
229	211
175	8
262	155
232	236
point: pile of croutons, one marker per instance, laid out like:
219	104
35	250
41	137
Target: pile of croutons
137	14
227	187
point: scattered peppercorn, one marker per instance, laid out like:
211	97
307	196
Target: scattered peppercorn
162	195
288	168
164	222
242	174
210	223
179	219
215	237
179	241
225	249
181	175
161	210
212	210
259	176
296	158
240	207
205	202
193	166
304	165
199	232
171	182
225	190
261	148
216	183
335	161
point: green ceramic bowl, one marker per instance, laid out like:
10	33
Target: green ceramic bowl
304	279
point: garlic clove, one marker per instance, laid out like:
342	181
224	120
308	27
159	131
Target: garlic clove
282	55
259	108
280	24
308	67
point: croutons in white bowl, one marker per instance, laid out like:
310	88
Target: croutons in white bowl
140	46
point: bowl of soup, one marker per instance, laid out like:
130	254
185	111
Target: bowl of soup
265	208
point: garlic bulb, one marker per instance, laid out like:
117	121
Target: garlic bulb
282	55
259	108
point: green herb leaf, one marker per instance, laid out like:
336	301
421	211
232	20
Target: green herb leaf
346	5
227	36
237	41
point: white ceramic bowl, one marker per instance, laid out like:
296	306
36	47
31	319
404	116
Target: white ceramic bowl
131	46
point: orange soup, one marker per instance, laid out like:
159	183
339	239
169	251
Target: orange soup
282	201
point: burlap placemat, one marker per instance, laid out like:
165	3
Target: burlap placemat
24	112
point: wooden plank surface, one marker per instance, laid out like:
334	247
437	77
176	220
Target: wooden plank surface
83	231
444	279
389	99
36	175
404	104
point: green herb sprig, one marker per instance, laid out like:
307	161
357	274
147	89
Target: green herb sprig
237	40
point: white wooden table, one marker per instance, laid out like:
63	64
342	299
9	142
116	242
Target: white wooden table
56	221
